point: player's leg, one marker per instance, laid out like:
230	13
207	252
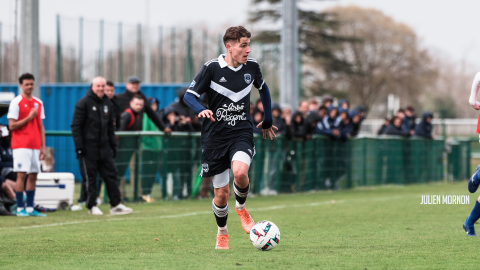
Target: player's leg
21	164
474	181
9	188
220	207
32	184
468	225
241	186
19	189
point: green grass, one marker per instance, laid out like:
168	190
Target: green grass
369	228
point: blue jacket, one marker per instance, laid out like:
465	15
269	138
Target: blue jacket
328	122
424	129
338	120
340	103
355	127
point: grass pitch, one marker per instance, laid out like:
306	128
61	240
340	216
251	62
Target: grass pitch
371	228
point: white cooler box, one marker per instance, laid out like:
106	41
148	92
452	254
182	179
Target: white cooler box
55	190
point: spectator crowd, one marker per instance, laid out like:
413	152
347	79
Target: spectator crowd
403	124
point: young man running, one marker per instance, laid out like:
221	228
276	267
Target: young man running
227	139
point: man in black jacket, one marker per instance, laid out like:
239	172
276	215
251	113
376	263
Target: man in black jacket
94	136
123	99
110	93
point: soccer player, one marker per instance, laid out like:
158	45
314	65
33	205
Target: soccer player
227	134
474	181
25	116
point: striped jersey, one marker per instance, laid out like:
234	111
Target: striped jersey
228	95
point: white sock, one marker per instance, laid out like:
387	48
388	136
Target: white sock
29	209
223	230
19	209
239	206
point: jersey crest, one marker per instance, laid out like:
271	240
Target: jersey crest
248	78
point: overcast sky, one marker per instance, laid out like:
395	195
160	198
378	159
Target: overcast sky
449	26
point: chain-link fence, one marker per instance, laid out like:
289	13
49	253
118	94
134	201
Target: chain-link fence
85	48
167	167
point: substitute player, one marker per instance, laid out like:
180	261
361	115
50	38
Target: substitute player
227	139
25	116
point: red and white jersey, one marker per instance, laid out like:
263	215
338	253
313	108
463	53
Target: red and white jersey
29	136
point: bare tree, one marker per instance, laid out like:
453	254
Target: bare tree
389	58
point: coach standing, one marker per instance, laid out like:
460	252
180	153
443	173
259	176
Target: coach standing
94	136
25	116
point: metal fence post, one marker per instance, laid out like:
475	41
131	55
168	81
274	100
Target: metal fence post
58	69
120	53
80	49
100	51
160	54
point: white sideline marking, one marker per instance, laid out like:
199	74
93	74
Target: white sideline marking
202	213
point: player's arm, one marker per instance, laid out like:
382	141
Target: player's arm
42	132
267	128
199	86
78	119
154	117
473	94
12	116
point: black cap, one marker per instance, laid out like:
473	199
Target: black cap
133	79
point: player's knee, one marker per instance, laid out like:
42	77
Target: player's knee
241	176
222	194
222	198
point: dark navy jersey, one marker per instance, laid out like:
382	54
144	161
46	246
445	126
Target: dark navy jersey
228	95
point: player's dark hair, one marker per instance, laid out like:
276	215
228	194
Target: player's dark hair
25	76
323	107
136	96
392	120
110	83
235	33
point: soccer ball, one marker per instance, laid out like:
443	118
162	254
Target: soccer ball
265	235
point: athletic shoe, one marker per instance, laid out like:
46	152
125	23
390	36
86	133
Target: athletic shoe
472	185
246	219
22	213
120	210
35	213
95	211
222	242
469	229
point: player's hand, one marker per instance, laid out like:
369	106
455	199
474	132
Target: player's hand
476	106
42	153
207	114
33	113
183	120
268	132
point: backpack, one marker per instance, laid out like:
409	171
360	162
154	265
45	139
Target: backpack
132	118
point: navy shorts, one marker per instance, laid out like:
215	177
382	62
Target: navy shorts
216	161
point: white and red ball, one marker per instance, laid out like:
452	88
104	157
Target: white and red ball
265	235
